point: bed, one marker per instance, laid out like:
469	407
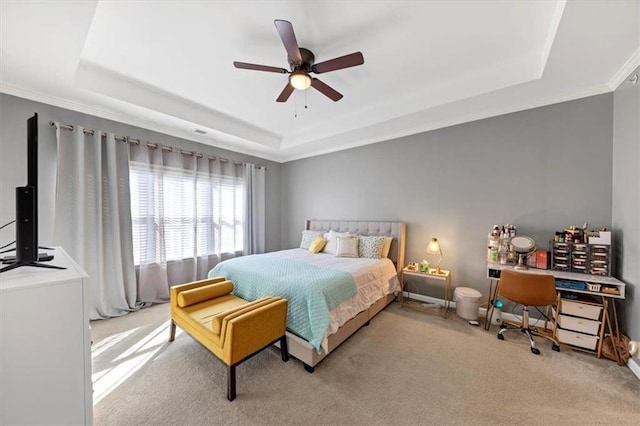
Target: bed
340	294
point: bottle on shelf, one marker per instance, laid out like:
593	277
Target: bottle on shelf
503	251
498	247
493	242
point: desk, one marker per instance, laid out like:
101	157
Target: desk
444	276
608	299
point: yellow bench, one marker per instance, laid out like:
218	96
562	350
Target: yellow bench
230	327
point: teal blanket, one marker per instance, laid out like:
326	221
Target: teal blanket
312	291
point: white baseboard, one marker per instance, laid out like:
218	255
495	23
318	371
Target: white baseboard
482	311
426	299
634	366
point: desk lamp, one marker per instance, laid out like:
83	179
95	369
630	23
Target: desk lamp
434	248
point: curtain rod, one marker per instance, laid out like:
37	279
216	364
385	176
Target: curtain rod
152	145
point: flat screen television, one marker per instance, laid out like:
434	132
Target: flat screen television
27	253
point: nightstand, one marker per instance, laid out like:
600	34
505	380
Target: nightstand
444	276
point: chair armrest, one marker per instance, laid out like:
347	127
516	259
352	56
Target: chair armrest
177	289
248	332
221	319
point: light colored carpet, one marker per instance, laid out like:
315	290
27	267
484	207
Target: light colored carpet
407	367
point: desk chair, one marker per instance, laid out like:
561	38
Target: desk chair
527	290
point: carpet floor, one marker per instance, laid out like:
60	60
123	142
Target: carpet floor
407	367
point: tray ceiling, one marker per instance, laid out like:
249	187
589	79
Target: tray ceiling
168	65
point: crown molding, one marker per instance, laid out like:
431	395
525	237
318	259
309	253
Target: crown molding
627	68
124	119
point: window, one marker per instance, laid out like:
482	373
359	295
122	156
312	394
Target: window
179	214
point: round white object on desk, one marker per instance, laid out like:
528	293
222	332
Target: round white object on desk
523	244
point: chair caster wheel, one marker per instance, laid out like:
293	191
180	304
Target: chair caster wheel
556	348
503	326
535	351
500	337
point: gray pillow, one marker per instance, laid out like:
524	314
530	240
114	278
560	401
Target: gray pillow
308	237
370	246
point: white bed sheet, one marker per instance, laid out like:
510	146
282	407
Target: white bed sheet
374	278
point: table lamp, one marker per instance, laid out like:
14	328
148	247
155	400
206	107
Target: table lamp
434	248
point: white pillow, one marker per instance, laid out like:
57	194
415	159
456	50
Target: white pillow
331	237
308	237
386	247
347	246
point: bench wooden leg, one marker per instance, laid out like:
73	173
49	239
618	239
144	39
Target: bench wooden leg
231	383
172	331
284	350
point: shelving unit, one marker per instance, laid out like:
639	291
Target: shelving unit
582	258
499	250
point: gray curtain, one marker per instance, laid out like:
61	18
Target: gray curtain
92	216
187	216
254	236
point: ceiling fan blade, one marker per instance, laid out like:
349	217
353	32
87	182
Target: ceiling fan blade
255	67
326	90
288	37
286	92
346	61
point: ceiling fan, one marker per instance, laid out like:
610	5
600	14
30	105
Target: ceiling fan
301	62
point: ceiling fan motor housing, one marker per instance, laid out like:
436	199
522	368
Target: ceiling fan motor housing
307	61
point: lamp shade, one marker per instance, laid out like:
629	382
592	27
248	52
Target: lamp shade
300	80
434	247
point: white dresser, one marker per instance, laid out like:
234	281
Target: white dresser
45	345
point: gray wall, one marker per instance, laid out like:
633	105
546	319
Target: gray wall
541	169
14	112
626	197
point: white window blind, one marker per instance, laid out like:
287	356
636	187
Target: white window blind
184	213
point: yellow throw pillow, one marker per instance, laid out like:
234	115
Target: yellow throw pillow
207	292
317	245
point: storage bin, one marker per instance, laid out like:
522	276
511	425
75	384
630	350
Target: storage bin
581	325
577	339
581	309
467	302
593	287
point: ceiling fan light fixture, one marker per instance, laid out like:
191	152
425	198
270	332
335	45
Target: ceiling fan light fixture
300	80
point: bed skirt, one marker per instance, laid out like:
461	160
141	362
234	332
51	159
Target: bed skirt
303	351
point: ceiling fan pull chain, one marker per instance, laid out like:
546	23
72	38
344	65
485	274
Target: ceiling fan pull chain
295	107
305	99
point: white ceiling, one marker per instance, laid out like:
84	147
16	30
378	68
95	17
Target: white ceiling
167	65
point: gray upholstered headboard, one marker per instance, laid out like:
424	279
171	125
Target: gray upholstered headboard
397	230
